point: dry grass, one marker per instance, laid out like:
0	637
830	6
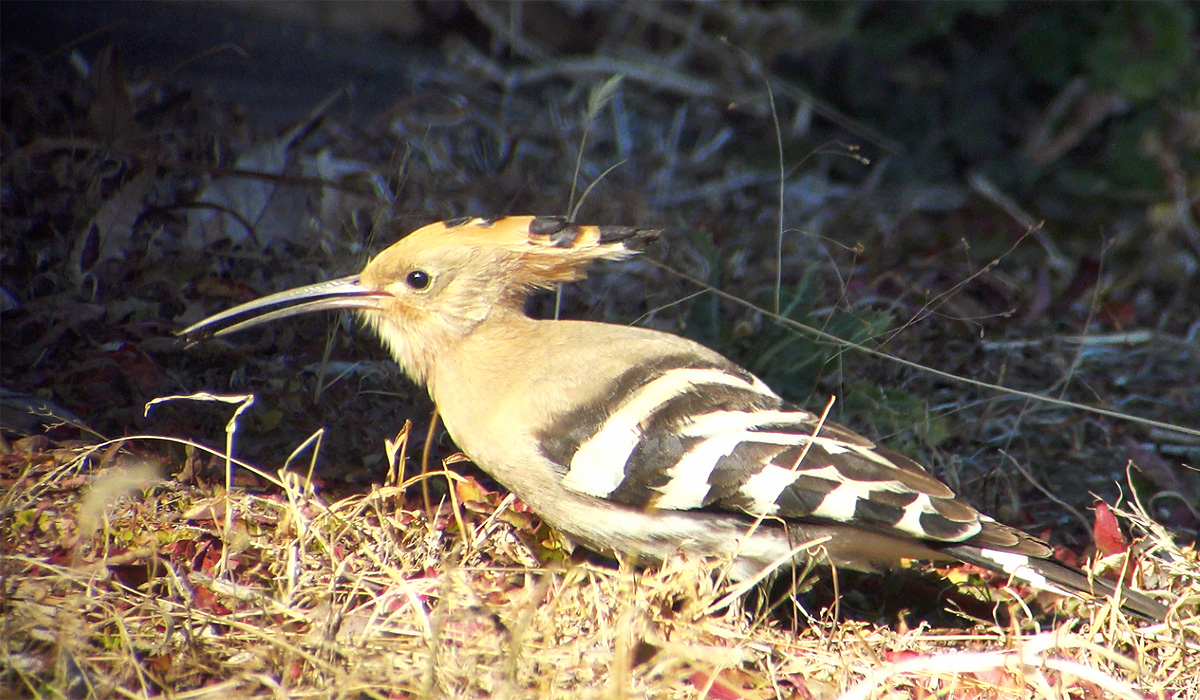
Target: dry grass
291	596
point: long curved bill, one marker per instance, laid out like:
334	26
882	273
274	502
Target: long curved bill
343	293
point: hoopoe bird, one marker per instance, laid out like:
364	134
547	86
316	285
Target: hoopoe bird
639	442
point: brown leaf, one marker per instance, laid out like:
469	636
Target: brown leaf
1152	466
111	114
109	234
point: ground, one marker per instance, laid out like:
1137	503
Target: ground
990	208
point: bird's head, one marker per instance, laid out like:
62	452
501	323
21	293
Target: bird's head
435	285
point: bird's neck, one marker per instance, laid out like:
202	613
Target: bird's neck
489	349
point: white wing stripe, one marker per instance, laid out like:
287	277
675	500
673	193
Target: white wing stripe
689	476
723	421
598	466
840	503
763	488
911	520
1017	566
727	421
832	473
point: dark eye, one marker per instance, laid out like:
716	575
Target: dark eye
417	279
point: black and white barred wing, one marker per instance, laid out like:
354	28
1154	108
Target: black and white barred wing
713	436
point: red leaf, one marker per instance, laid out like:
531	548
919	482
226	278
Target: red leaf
204	599
295	670
729	684
1065	555
1120	314
717	691
1106	532
211	559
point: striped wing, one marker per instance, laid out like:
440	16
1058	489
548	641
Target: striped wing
681	436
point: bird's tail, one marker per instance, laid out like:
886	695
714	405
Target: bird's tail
1056	577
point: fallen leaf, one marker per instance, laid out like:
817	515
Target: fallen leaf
1107	532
